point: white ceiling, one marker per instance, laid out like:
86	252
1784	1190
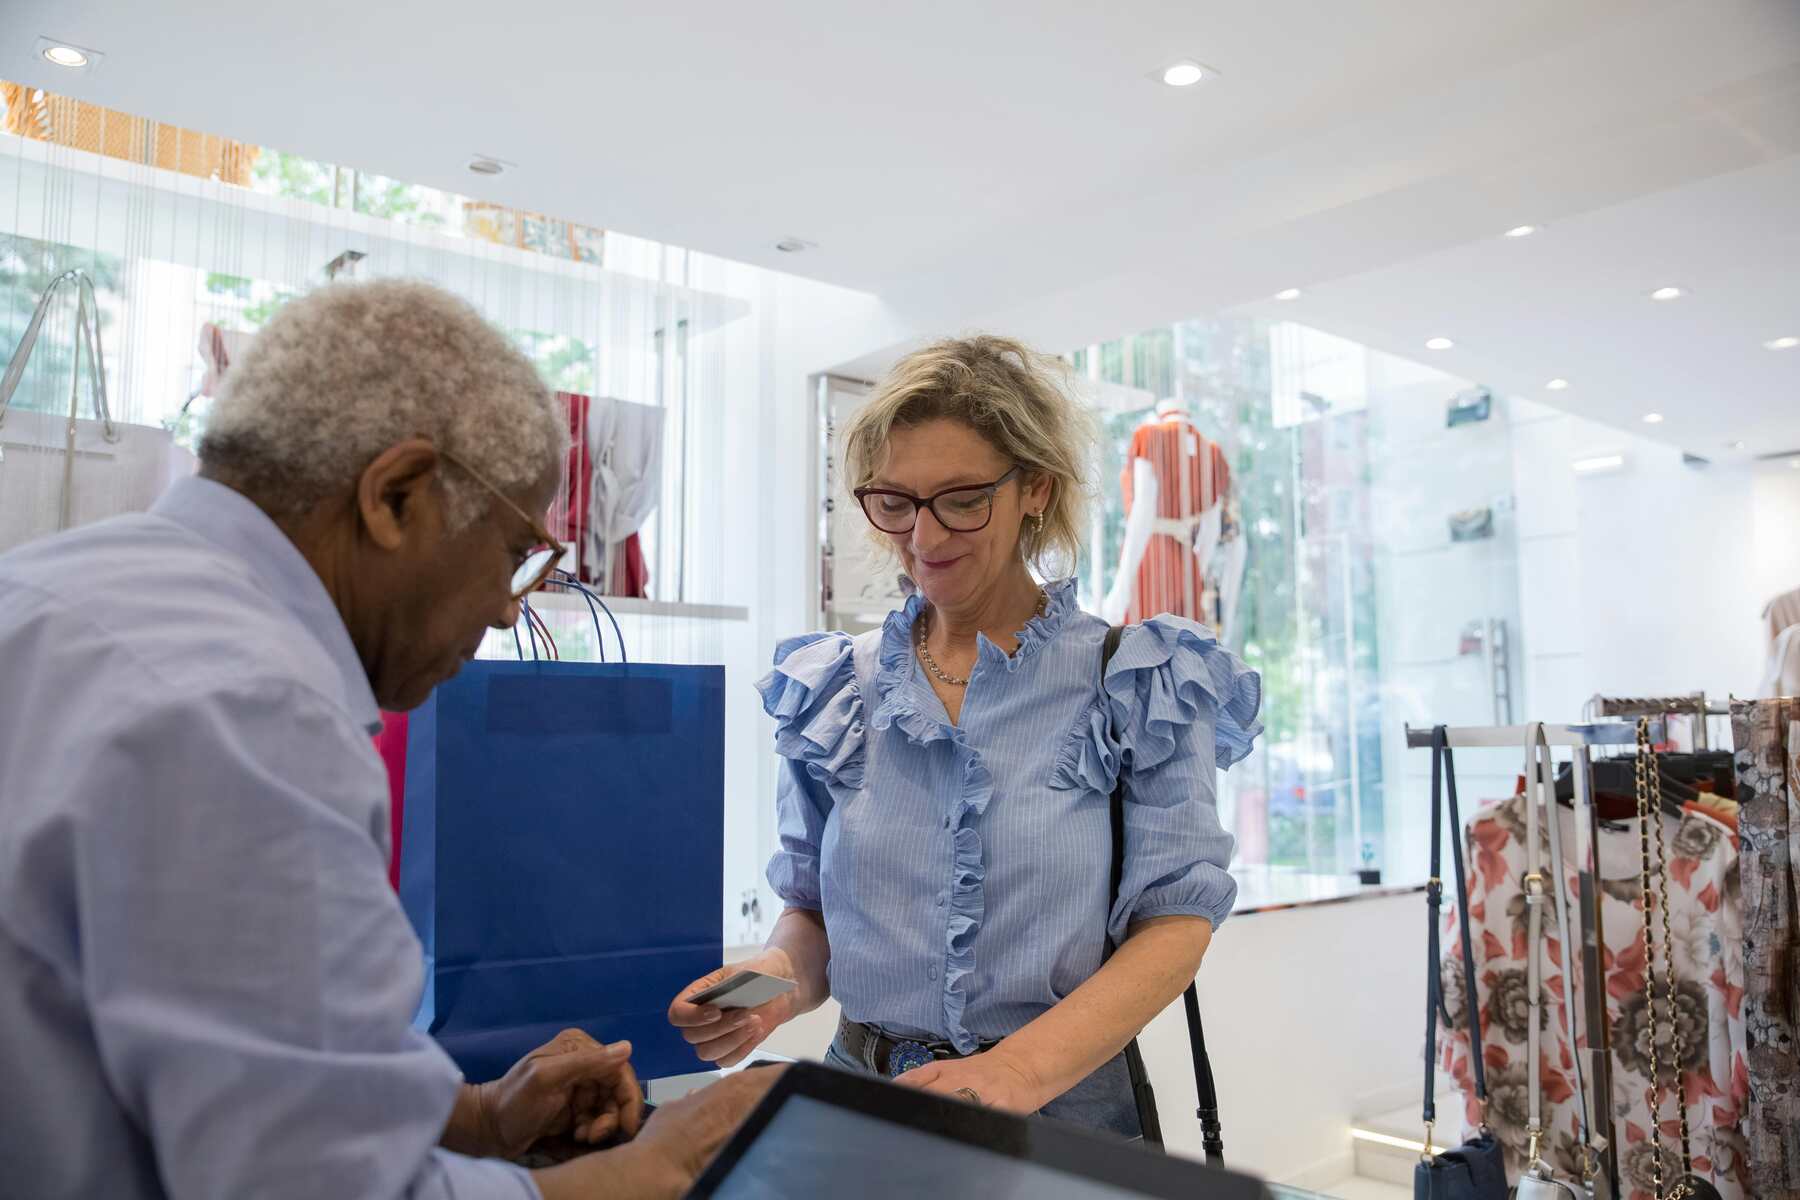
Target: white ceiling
1008	164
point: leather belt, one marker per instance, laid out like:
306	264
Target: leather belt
891	1056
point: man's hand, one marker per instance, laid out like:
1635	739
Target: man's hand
572	1086
727	1036
675	1146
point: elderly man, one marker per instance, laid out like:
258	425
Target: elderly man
206	984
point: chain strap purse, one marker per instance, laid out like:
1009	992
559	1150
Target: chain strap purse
1649	804
1476	1170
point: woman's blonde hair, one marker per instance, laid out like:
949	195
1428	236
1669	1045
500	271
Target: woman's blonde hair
1016	399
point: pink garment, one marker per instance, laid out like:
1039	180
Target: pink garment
390	743
1706	919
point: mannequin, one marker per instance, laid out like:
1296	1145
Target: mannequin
1174	497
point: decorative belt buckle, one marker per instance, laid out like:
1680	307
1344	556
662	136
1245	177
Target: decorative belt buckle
908	1056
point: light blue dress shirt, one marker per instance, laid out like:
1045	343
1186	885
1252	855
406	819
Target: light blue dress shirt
964	870
206	983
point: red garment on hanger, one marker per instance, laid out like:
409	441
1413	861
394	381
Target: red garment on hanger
390	743
634	572
569	515
1192	476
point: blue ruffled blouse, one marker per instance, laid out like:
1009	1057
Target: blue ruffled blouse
964	870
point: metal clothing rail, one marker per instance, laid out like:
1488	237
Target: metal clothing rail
1512	737
1579	740
1692	704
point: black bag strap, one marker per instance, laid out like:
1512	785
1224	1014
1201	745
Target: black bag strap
1443	780
1204	1089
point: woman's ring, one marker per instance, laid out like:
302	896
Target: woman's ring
969	1094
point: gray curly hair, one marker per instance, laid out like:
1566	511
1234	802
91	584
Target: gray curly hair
343	373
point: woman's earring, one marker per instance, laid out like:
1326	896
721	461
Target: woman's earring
1038	519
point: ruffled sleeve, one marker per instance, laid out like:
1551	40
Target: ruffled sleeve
817	704
1171	675
1182	706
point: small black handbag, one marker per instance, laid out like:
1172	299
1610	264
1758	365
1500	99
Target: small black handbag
1476	1170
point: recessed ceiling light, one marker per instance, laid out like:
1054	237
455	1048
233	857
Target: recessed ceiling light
1557	385
1666	293
483	164
1519	231
1653	418
1288	294
1599	464
1185	73
1782	343
68	55
1734	445
1439	343
794	245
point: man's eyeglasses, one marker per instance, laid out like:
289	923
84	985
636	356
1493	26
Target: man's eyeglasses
535	568
959	509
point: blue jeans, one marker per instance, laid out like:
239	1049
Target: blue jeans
1103	1101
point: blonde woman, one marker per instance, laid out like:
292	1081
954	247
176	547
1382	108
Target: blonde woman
946	843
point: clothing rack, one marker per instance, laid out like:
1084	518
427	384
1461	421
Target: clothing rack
1694	704
1580	740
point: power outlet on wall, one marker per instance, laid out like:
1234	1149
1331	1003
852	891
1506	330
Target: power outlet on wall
750	918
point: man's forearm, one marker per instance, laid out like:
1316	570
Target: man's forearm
630	1172
466	1132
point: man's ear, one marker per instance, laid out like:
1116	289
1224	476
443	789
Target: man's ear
395	495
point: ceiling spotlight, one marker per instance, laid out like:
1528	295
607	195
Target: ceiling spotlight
1185	73
1600	464
794	245
1734	445
1653	418
1519	231
1288	294
67	55
1439	343
1666	293
1782	343
482	164
1557	385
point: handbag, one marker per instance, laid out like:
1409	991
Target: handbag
58	472
1476	1170
563	855
1537	1181
1206	1093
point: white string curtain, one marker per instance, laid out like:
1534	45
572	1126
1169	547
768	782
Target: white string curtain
170	253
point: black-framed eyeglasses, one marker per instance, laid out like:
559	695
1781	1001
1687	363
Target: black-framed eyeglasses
958	509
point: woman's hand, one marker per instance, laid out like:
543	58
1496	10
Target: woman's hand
728	1036
996	1080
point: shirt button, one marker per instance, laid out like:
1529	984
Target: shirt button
946	822
940	899
931	973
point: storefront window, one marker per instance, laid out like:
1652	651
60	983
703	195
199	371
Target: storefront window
1359	483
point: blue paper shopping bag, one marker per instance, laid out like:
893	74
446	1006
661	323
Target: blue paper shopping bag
562	855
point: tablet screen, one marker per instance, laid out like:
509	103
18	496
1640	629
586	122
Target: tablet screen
811	1148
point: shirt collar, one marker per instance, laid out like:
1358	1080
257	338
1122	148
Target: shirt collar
234	523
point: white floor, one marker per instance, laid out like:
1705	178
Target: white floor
1357	1188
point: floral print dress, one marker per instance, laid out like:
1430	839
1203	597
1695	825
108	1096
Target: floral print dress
1705	923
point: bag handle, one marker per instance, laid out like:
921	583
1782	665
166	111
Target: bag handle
1443	778
1206	1092
87	327
1540	787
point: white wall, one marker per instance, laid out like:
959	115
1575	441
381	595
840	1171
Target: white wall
1313	1017
1648	580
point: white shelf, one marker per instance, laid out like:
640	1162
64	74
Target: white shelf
574	602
